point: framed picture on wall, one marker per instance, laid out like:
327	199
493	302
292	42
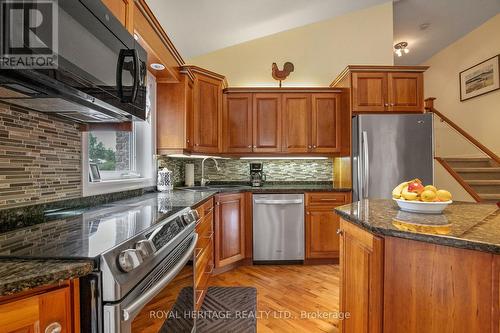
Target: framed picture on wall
94	173
480	79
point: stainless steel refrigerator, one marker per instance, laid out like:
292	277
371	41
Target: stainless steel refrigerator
389	149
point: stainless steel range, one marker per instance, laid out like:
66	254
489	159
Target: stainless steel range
134	272
139	247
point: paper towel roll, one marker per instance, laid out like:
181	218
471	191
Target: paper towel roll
189	174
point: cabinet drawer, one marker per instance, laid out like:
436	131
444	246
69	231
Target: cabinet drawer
205	232
325	199
203	265
205	208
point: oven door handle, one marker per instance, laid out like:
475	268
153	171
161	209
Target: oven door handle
132	309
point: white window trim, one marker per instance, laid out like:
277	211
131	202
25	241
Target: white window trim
126	184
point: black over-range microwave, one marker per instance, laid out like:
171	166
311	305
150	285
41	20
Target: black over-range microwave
100	73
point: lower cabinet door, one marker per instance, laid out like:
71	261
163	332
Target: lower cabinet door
361	280
322	240
47	312
229	229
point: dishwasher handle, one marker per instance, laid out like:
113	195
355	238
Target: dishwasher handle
278	202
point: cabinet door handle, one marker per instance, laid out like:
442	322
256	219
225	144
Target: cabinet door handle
392	104
211	269
54	327
309	146
254	146
386	104
314	146
249	146
340	232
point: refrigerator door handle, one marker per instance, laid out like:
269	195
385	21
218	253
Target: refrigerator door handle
366	164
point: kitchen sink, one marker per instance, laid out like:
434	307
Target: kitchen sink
212	187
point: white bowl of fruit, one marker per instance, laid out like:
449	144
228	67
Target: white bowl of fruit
414	197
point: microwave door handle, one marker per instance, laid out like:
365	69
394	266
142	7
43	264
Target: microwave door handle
137	73
119	74
366	165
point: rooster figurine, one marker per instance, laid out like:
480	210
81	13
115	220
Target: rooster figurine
280	75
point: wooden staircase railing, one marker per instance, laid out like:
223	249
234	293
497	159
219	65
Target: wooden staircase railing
429	107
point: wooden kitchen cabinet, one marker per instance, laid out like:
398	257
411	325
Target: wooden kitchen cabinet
381	89
229	228
123	11
237	123
45	309
369	92
326	123
296	114
174	124
321	238
361	280
405	92
296	121
207	113
266	123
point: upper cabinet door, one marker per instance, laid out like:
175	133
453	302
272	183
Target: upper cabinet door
296	114
237	123
123	10
326	123
369	92
207	111
266	123
406	92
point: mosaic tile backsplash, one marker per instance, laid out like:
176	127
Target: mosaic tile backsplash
39	158
238	170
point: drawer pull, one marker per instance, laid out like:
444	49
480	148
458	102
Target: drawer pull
54	327
199	296
340	232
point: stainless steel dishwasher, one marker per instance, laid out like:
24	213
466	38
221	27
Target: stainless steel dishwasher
278	227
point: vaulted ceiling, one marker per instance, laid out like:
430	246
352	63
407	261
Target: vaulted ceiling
430	25
201	26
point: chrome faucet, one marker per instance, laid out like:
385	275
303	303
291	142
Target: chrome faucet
204	181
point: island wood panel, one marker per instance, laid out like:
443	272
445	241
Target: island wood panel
406	92
434	289
237	123
207	112
229	229
496	294
296	115
361	278
369	92
266	123
326	125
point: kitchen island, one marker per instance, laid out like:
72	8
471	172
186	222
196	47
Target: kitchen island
407	272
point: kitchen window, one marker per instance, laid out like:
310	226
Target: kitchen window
125	160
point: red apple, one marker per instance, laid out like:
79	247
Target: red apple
415	187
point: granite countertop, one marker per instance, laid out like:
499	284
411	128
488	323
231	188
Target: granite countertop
465	225
65	243
20	275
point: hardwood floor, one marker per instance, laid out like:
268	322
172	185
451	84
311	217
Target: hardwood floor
289	291
283	293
